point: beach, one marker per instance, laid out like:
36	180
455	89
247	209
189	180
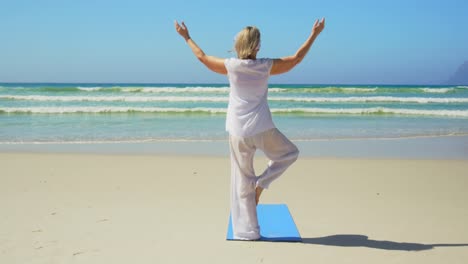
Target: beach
153	208
118	121
119	173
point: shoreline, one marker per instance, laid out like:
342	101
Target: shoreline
437	147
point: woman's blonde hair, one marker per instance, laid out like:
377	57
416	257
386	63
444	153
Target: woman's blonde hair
247	42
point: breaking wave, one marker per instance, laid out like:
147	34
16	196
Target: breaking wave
202	110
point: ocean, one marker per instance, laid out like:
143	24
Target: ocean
34	113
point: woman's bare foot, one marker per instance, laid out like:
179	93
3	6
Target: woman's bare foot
258	192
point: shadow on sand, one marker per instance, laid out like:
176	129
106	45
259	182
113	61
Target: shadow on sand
364	241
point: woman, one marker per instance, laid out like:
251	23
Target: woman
249	121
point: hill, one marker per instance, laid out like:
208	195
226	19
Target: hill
460	77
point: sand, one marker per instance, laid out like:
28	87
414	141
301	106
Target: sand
85	208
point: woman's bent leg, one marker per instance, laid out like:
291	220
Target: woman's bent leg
281	152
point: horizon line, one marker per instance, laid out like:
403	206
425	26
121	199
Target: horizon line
227	83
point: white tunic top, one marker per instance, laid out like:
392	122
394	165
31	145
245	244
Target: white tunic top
248	113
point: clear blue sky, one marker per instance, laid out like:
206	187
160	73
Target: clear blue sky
368	41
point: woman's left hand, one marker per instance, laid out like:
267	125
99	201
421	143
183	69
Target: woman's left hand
182	30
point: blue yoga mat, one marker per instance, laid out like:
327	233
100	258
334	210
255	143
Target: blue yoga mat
276	224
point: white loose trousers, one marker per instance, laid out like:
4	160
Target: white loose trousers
280	151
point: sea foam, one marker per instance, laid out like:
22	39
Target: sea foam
353	99
205	110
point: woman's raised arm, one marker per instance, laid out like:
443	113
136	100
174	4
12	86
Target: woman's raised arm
213	63
285	64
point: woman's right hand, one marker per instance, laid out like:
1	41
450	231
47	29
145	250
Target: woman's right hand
318	26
